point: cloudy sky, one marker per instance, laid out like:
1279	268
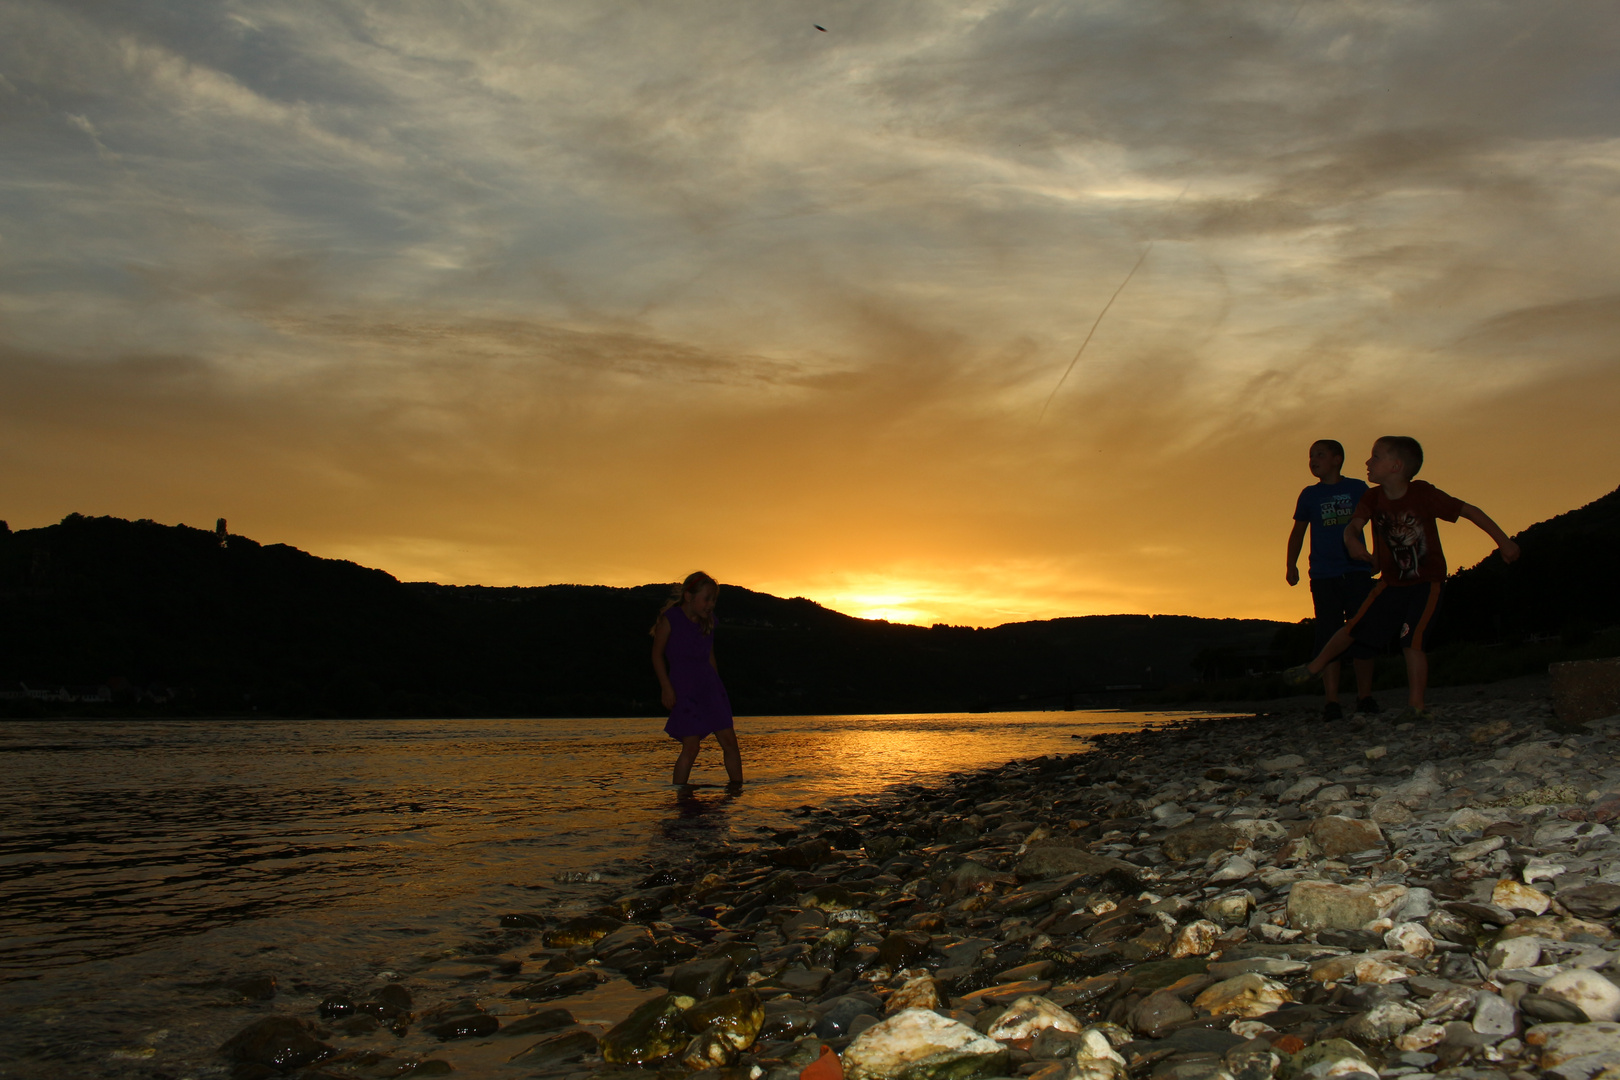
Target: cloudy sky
516	293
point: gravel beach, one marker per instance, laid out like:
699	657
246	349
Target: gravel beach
1252	896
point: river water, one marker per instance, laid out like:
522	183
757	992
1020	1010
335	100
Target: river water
145	863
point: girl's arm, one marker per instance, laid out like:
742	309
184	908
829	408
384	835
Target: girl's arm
660	668
1504	544
711	659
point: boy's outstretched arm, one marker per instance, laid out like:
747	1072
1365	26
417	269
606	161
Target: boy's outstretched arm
1504	543
1296	541
1354	545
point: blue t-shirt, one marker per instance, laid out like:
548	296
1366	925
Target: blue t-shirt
1329	508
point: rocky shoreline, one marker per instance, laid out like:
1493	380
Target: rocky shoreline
1243	897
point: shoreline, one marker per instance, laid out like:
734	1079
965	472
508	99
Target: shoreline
1247	897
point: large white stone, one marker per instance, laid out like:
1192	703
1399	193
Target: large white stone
1518	952
917	993
917	1044
1383	1022
1421	1037
1325	905
1195	939
1411	938
1596	996
1234	869
1516	897
1494	1017
1028	1016
1244	996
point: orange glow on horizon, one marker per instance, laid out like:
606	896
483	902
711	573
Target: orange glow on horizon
602	293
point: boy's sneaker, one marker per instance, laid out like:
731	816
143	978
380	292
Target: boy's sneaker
1410	715
1298	675
1367	706
1331	711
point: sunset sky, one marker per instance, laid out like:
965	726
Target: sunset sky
532	292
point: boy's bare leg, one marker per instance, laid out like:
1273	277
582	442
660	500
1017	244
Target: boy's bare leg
1364	677
1339	642
1330	681
1417	676
689	753
727	738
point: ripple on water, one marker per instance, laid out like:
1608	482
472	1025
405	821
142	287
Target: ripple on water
142	864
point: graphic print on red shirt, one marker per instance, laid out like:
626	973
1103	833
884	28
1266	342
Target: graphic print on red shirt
1406	541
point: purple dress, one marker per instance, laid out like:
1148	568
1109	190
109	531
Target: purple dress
701	704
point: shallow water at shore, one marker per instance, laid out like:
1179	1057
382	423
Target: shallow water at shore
143	862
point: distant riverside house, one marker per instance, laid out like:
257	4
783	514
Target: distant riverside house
83	694
57	693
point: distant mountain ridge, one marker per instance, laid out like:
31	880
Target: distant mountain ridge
144	611
248	627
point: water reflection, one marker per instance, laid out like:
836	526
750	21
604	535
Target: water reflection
701	807
142	864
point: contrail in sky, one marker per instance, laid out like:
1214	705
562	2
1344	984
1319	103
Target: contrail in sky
1096	323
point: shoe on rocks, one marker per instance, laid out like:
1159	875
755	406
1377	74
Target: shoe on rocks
1298	675
1367	706
1331	711
1409	715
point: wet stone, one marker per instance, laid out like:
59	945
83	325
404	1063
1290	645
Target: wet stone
280	1042
335	1006
702	979
652	1032
475	1025
582	931
556	986
921	1045
253	987
786	1021
735	1017
904	949
708	1050
557	1049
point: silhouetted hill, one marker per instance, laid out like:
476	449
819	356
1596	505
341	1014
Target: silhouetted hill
1566	582
273	629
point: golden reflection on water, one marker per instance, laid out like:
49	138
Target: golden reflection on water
143	863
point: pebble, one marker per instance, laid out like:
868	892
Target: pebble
1251	898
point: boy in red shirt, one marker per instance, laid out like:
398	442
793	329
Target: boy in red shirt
1411	565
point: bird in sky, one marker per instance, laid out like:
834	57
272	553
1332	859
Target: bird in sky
818	26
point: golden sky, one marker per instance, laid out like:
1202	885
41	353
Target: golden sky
519	293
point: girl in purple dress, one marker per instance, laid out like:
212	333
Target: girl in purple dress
683	657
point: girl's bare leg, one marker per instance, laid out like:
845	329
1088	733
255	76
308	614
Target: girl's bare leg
727	737
689	753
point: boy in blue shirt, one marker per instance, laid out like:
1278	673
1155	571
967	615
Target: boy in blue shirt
1339	584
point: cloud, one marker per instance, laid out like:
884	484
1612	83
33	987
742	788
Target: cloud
520	293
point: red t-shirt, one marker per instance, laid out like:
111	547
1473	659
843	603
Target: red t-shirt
1406	544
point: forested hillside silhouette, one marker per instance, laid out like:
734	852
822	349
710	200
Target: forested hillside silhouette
182	619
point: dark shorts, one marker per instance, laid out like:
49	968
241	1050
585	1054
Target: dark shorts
1394	612
1337	600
